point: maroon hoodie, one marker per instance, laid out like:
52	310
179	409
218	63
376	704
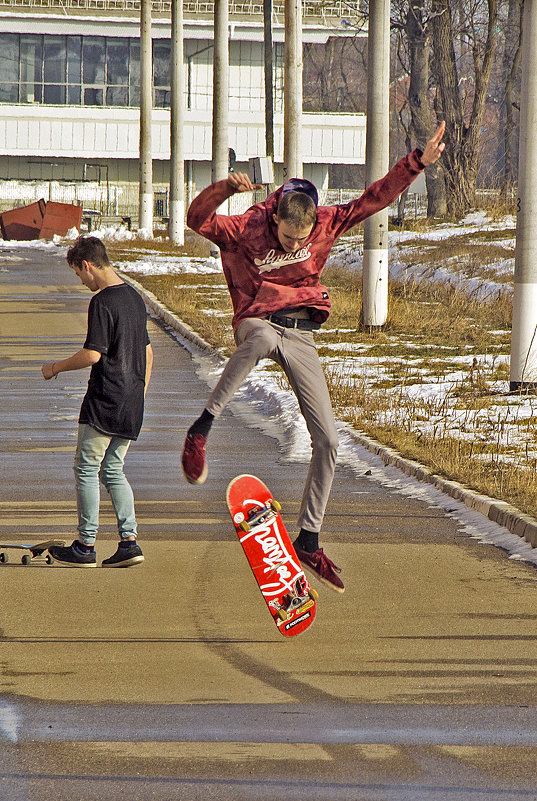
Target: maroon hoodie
262	278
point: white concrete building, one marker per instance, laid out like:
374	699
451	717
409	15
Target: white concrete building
69	117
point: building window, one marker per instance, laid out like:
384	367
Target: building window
162	53
77	70
105	71
9	68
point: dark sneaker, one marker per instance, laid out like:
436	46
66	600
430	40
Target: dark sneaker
193	458
71	556
125	557
322	566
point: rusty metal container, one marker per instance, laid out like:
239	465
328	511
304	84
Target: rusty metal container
24	222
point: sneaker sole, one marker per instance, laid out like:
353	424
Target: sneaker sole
313	572
135	560
201	480
73	564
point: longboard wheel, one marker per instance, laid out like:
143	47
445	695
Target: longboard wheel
4	557
26	559
275	506
313	594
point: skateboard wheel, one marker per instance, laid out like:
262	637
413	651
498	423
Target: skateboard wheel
26	559
313	594
48	559
4	557
244	526
282	614
275	506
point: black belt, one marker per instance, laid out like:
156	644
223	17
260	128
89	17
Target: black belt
294	322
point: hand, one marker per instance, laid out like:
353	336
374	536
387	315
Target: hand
48	371
240	182
434	147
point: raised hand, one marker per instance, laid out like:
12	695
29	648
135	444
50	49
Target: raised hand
240	182
434	147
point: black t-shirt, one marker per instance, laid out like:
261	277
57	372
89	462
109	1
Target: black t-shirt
117	329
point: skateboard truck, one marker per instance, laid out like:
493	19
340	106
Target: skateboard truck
260	515
297	599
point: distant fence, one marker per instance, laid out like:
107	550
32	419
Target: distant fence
122	199
334	9
107	199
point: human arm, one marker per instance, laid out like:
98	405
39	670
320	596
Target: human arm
202	218
81	359
148	365
385	191
240	182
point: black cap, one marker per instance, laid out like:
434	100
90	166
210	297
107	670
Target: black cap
301	185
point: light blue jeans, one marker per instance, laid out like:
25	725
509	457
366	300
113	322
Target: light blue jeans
100	457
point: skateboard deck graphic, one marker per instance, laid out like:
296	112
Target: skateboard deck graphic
270	553
35	550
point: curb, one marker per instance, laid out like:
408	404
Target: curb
500	512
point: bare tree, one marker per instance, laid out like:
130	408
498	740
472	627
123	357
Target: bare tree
424	120
464	40
510	69
334	75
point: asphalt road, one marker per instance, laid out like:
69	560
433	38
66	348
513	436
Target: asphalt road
169	681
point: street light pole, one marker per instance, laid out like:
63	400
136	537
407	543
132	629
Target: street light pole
523	373
375	261
220	145
145	217
292	96
176	228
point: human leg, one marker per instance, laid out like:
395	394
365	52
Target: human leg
113	477
90	450
256	340
303	369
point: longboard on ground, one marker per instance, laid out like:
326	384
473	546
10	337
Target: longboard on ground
33	550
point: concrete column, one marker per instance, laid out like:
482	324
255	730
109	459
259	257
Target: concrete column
292	97
176	228
375	262
220	142
524	335
145	218
269	83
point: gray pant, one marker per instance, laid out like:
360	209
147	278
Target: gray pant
294	350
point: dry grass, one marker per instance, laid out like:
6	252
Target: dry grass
434	333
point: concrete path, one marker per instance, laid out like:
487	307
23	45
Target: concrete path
168	680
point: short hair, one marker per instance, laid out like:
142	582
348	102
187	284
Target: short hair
88	248
297	209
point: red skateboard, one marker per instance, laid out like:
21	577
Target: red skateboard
275	565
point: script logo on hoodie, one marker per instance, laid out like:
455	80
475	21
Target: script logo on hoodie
273	260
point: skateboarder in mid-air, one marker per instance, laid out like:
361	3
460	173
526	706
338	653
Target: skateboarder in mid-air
118	350
272	257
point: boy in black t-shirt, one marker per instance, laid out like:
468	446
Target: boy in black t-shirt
118	350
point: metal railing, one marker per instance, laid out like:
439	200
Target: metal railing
311	8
